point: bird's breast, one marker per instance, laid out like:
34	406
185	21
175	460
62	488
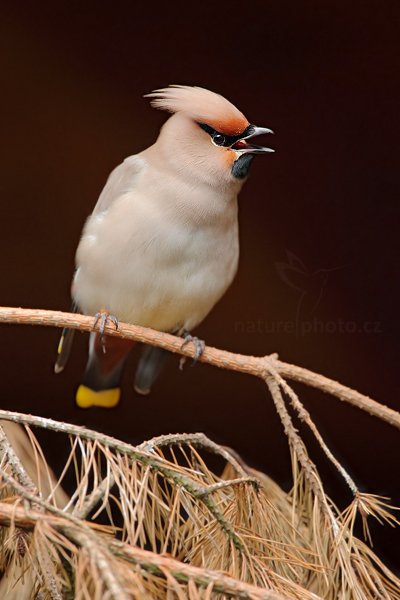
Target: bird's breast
154	266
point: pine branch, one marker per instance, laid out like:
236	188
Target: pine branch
308	487
197	491
148	561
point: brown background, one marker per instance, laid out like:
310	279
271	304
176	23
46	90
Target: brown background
324	76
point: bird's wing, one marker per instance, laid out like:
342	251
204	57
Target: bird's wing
122	179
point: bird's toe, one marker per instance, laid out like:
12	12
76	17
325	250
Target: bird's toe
198	344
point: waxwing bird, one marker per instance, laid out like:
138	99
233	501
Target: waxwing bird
161	246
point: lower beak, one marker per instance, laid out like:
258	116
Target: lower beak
243	147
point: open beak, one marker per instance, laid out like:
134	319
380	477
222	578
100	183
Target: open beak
243	147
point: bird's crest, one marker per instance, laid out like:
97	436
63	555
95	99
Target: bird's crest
201	105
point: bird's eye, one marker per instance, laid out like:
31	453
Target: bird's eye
219	139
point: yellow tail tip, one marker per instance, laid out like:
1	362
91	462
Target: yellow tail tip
85	397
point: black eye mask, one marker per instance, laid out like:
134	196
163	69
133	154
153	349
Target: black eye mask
221	139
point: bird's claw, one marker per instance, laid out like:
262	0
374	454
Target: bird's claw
103	317
198	344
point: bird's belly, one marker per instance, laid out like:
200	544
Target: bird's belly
166	282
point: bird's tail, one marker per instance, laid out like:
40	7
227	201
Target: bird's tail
65	345
150	365
101	381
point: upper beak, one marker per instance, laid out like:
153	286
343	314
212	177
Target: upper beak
244	148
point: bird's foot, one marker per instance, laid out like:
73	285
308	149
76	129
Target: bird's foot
198	344
103	317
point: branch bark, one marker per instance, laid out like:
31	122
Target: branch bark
251	365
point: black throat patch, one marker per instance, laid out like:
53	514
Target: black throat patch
241	166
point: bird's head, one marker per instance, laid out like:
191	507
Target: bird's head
207	136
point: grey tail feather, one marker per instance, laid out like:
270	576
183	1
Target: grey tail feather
150	366
65	345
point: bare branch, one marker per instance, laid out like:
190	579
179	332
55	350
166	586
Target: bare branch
297	445
210	489
195	439
305	416
16	465
225	360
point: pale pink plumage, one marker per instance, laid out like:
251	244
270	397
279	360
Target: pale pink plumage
162	245
201	105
